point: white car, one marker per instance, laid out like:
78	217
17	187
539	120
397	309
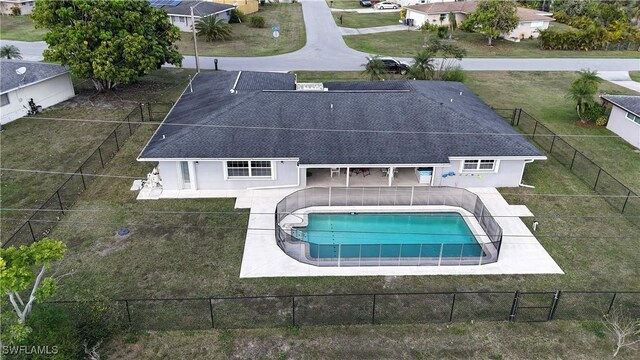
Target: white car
386	5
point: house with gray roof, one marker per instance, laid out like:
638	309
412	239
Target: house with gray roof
46	84
624	119
179	12
245	130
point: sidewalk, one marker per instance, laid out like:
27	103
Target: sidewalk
373	30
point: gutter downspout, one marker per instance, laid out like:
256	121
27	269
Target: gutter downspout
525	185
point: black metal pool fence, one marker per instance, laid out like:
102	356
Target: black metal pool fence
363	309
485	251
40	223
618	195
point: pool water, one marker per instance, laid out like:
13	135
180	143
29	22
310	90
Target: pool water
388	235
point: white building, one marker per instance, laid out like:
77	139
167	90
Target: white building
624	119
179	12
46	84
26	7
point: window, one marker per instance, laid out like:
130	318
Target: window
4	99
184	173
478	165
630	116
260	169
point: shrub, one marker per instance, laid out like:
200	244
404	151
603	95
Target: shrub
592	112
442	31
454	74
602	120
256	21
403	13
237	17
15	11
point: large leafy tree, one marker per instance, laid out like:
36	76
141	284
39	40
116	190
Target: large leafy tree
583	90
108	41
22	271
10	52
493	17
213	28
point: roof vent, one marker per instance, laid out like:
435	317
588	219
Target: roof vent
310	87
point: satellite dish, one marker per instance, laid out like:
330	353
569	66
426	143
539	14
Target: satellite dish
21	70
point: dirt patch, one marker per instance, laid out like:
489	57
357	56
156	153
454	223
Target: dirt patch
117	242
586	124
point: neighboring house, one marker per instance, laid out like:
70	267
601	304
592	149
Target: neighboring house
241	130
624	119
179	12
26	7
46	84
531	21
418	2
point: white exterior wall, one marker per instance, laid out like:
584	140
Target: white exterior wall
420	2
46	93
508	174
524	30
26	7
420	18
210	175
183	22
623	127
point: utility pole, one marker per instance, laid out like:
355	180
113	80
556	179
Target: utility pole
195	40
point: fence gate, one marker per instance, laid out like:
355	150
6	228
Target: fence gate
534	306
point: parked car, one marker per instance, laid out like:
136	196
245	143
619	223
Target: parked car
394	66
365	3
386	5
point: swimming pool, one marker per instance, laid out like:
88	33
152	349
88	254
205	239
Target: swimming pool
388	235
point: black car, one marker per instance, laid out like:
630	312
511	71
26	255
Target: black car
394	66
365	2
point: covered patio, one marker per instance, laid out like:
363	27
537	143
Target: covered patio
372	176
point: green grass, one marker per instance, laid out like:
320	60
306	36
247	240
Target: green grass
635	75
555	340
19	28
407	44
248	41
354	20
344	4
62	146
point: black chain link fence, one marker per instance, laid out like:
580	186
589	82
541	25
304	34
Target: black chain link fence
40	223
368	309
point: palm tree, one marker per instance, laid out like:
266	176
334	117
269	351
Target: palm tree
583	89
423	67
453	24
213	28
10	52
374	69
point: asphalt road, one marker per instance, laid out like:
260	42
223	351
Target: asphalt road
325	50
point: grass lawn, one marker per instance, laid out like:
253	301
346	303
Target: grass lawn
31	143
355	20
191	253
407	44
635	75
344	4
556	340
19	28
247	41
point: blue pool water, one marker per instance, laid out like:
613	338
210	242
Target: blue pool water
388	235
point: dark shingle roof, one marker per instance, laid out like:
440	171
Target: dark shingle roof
630	103
200	8
36	71
266	80
334	127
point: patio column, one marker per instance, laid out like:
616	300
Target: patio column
348	174
390	175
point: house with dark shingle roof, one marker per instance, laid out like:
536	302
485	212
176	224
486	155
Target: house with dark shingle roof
179	12
624	119
46	84
529	26
243	130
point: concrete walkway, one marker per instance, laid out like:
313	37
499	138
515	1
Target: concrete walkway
620	78
372	30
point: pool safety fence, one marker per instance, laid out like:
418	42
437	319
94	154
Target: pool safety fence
443	253
40	223
614	192
355	309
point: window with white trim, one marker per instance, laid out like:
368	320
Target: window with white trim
478	165
634	118
249	169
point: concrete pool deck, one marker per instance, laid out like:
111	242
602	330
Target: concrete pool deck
521	253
